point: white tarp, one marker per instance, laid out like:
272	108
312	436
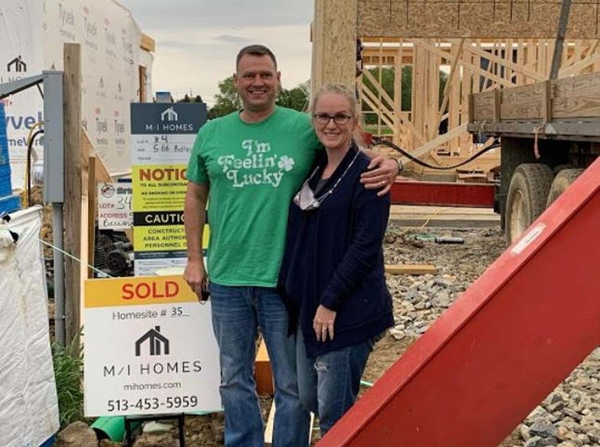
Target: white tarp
28	402
32	34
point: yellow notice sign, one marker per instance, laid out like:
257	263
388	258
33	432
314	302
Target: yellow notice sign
159	187
160	238
138	291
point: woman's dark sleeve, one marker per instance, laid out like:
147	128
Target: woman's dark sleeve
286	261
370	221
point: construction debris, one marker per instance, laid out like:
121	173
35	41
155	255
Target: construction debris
411	269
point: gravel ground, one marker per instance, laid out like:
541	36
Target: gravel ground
569	416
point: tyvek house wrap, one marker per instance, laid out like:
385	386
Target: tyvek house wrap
32	38
28	401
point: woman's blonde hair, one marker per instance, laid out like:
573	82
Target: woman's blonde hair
344	91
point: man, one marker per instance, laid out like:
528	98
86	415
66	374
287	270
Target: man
253	162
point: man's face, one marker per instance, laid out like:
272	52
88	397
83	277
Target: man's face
257	82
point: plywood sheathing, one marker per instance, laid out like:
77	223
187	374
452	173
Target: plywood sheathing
334	35
475	18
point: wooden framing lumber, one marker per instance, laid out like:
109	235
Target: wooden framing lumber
575	97
568	106
395	107
262	371
398	63
507	63
93	173
372	101
436	142
412	32
497	104
546	101
450	82
91	213
531	56
468	65
411	269
271	425
579	66
73	187
147	43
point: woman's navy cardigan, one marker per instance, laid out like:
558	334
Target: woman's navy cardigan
334	257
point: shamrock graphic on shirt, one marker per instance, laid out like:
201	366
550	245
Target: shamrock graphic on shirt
286	163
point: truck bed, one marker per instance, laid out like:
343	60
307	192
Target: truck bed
564	109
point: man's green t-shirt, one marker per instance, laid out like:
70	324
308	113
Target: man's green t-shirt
254	170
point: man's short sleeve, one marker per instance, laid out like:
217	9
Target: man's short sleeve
196	170
308	132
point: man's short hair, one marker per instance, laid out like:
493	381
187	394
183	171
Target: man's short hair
255	50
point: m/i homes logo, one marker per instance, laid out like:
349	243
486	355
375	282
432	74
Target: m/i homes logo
16	65
157	343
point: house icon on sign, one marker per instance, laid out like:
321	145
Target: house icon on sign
169	115
17	64
159	344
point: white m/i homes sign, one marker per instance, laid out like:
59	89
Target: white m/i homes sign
162	137
149	348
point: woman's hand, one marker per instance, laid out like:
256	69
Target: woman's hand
323	323
380	174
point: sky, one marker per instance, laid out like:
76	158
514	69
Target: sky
197	40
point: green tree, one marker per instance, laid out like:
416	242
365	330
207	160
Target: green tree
187	98
296	98
226	101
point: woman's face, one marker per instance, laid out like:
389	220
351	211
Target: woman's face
334	121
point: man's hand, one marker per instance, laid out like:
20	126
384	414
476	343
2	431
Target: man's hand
195	275
323	323
382	177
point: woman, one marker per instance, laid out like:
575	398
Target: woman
332	271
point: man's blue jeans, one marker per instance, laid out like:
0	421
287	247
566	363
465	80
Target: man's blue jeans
237	314
329	383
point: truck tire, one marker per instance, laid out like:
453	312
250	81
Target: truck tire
559	168
561	182
527	196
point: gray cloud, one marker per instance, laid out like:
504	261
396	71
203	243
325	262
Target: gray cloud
208	46
164	14
227	38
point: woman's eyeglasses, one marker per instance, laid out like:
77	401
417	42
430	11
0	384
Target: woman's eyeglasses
324	118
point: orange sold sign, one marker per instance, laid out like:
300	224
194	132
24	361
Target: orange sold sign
143	290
